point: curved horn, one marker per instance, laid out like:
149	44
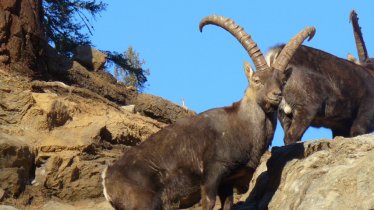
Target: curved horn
291	47
360	43
238	32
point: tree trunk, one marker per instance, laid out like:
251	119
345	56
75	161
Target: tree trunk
22	41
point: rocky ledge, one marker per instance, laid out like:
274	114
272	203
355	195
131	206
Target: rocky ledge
319	174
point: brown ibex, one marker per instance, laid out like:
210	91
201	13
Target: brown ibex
208	154
325	91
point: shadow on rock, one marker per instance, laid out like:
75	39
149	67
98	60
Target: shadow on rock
268	181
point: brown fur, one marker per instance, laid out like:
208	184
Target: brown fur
327	91
210	154
202	156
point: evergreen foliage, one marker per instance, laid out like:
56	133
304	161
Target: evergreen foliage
64	24
128	68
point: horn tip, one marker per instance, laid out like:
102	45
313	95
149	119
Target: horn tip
204	22
352	15
311	32
201	27
211	19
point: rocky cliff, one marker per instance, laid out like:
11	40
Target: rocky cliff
55	139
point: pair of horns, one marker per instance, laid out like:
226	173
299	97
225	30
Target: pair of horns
251	47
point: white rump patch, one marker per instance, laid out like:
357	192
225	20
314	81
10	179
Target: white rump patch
272	55
287	109
103	176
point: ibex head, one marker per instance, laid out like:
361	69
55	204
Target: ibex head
266	84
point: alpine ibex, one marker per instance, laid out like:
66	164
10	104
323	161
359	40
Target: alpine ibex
325	91
208	154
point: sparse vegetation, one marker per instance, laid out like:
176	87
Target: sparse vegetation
67	24
128	68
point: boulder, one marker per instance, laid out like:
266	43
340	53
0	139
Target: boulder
15	100
16	165
72	176
90	57
7	207
323	174
98	82
160	109
82	205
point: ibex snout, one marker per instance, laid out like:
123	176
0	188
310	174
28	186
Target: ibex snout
277	93
274	97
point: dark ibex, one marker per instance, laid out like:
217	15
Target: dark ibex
363	56
325	91
209	154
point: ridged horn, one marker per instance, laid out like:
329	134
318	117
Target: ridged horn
286	54
238	32
360	43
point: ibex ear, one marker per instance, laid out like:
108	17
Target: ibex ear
351	58
248	70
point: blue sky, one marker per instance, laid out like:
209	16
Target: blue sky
206	69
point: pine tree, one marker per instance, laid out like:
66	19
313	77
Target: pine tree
64	24
64	21
129	68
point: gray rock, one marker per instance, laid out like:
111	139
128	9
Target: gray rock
129	108
6	207
160	109
82	205
90	57
324	174
16	165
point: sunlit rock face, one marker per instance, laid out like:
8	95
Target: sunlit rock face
320	174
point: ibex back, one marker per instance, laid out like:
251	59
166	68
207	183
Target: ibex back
325	91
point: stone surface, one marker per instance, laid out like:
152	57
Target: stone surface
71	134
55	140
105	85
324	174
56	137
15	100
81	205
7	207
158	108
90	57
16	165
21	36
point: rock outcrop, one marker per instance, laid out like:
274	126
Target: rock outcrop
56	139
323	174
105	85
17	165
90	57
21	36
160	109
